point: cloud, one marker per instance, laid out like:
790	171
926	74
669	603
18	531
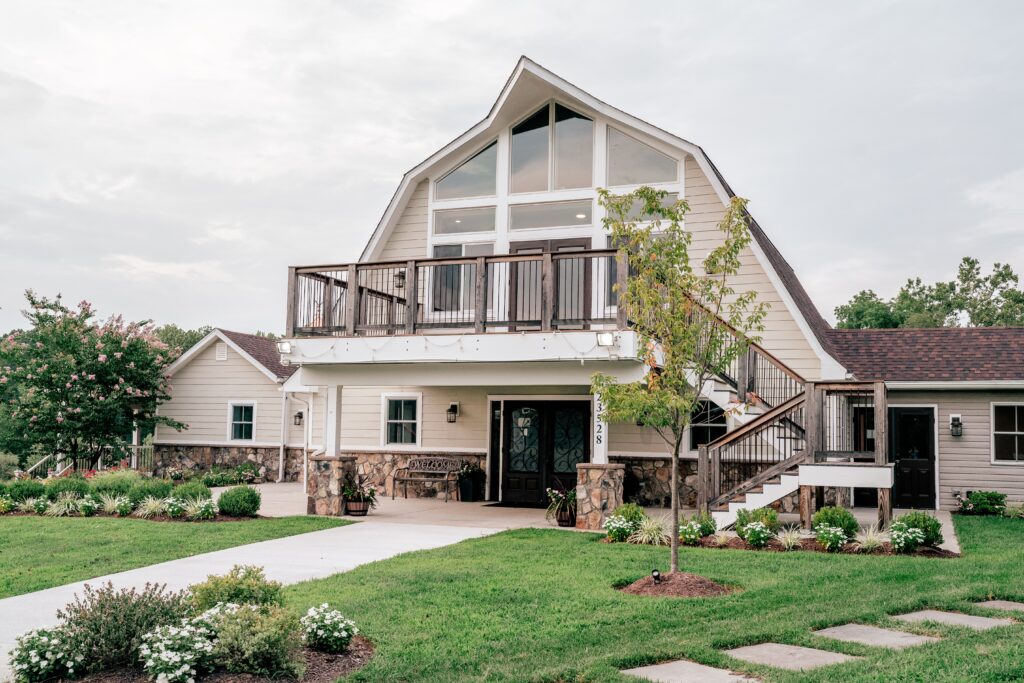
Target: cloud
1002	200
139	268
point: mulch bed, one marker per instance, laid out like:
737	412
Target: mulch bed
156	518
676	585
810	544
320	668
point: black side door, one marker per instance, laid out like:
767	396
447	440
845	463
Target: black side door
912	450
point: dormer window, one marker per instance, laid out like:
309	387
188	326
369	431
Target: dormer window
631	162
558	128
475	177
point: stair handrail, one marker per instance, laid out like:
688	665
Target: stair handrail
758	422
761	477
30	470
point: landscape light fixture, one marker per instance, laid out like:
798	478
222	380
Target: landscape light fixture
297	420
956	426
605	338
284	347
656	575
453	411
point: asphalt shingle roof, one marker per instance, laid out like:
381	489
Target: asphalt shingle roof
263	350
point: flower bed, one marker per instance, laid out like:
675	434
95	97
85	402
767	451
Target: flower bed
812	545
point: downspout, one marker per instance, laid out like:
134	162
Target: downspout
306	437
284	435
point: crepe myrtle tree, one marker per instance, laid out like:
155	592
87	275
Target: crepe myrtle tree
690	321
73	386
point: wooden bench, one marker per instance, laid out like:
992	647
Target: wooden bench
434	469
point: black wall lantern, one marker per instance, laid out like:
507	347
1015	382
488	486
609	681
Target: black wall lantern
400	279
956	426
297	420
453	411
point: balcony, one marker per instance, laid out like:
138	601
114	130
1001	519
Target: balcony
507	293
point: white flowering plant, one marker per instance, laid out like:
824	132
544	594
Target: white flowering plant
175	507
905	539
177	654
327	630
88	506
44	654
40	505
831	538
757	534
690	533
6	505
619	528
200	509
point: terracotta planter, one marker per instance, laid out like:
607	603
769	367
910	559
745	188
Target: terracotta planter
566	517
357	508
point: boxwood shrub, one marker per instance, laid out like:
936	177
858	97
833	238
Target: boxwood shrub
23	489
149	488
115	482
194	490
76	485
835	516
766	516
928	524
240	501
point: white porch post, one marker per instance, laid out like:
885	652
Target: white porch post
332	424
599	447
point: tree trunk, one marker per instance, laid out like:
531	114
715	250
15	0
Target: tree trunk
674	525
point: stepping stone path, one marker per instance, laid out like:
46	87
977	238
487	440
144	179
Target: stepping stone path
1005	605
685	671
791	657
874	636
954	619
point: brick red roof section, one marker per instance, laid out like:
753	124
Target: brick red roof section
951	354
263	350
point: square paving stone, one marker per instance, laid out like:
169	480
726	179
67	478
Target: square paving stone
791	657
954	619
874	636
1008	605
685	671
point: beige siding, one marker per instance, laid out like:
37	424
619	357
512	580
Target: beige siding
408	239
628	439
965	462
782	337
202	392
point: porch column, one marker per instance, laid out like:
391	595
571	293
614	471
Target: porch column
332	423
599	447
598	493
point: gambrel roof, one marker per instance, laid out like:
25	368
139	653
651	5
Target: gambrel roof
527	85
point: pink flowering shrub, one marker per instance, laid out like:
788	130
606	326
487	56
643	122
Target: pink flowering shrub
72	384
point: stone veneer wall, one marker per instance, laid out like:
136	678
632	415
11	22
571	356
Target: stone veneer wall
204	458
598	493
324	484
378	469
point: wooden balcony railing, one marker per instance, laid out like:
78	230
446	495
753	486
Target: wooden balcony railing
508	293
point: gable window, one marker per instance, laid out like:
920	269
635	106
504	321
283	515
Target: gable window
242	420
707	424
475	177
571	137
401	419
1008	432
631	162
550	215
456	221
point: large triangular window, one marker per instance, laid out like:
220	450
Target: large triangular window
475	177
631	162
553	149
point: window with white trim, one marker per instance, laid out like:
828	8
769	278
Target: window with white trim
242	420
401	426
552	149
631	162
1008	432
474	177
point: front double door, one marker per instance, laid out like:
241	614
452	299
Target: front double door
542	443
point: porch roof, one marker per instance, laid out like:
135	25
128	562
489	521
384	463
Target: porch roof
956	354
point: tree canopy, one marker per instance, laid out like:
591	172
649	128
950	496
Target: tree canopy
971	299
179	340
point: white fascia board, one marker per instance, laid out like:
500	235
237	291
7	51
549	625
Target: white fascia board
216	335
294	385
979	385
495	347
849	474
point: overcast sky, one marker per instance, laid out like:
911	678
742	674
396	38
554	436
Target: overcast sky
169	160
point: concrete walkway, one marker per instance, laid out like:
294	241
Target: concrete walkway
288	560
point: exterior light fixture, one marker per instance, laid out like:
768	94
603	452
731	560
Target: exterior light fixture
297	419
656	575
284	347
956	426
581	216
400	279
605	338
453	411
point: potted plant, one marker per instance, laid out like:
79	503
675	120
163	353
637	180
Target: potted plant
471	482
359	498
562	506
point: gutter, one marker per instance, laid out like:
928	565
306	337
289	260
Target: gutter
946	385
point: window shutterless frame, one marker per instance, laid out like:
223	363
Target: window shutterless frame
1017	433
238	417
385	400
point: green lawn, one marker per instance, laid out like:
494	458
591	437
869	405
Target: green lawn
41	552
537	605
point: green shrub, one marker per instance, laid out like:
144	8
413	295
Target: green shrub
6	505
834	516
24	489
193	489
3	489
115	482
327	630
263	642
106	626
1014	511
930	526
905	539
984	503
247	473
706	523
75	485
631	512
690	533
766	516
831	538
41	505
240	501
149	488
8	464
244	584
651	532
219	477
757	534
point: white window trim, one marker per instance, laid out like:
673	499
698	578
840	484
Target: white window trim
384	398
992	433
231	410
455	165
680	170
